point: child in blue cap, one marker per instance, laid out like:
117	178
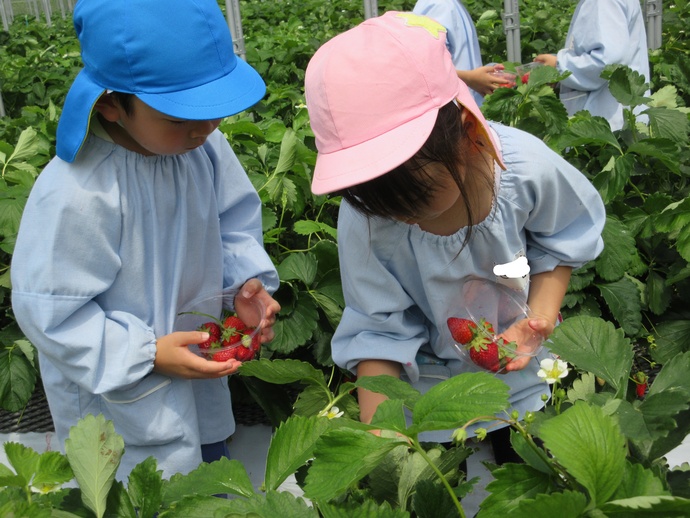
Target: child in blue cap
145	213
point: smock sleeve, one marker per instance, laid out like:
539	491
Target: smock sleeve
561	212
66	255
598	36
239	205
380	320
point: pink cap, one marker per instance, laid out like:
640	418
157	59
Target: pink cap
373	94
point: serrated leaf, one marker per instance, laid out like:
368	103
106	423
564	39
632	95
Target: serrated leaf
568	504
23	459
639	481
596	346
292	446
53	470
673	374
669	124
366	509
623	299
288	152
590	446
308	227
646	506
393	388
17	380
300	266
282	372
457	400
512	483
28	145
431	500
145	485
611	181
94	451
295	329
274	504
223	476
343	457
582	388
626	85
664	150
390	415
672	337
619	247
585	129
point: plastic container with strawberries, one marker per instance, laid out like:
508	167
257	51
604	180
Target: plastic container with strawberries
231	335
524	70
490	328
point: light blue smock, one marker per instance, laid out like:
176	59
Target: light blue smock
602	32
110	249
401	284
461	38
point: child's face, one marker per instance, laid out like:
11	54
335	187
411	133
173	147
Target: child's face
445	197
150	132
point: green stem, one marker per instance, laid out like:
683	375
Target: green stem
417	447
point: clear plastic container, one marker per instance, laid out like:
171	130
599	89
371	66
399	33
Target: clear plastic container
505	75
239	340
524	70
498	319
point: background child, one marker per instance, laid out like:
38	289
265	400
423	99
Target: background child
601	32
463	45
145	213
434	196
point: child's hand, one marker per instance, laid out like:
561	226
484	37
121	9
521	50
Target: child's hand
253	289
550	60
528	334
174	359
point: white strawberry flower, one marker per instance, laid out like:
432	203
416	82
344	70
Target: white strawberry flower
332	413
552	370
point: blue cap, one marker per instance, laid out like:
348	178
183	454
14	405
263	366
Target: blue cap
175	55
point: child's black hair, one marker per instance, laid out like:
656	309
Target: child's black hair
125	100
400	193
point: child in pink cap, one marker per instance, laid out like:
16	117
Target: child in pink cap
433	196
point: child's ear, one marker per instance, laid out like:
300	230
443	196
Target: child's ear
108	107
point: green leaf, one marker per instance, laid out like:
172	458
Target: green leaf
675	219
283	372
659	295
626	85
568	504
17	379
23	459
585	129
595	345
513	483
53	471
646	506
367	509
673	374
343	457
299	266
145	486
390	386
390	415
613	178
623	299
296	328
431	500
672	337
94	451
669	124
457	400
619	247
664	150
288	152
590	446
222	476
27	145
639	481
308	227
291	447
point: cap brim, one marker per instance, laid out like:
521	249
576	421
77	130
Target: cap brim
236	91
73	125
372	158
379	155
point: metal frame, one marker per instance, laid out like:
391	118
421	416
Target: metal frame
232	10
653	17
371	9
511	26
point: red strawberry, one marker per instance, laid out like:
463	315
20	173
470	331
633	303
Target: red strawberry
525	78
641	389
486	355
640	379
213	331
233	329
244	354
462	330
225	355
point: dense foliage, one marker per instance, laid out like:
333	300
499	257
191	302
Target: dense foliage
628	311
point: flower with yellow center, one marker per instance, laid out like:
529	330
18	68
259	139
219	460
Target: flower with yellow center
331	413
552	370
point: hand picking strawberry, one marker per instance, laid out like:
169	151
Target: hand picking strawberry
485	351
229	338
